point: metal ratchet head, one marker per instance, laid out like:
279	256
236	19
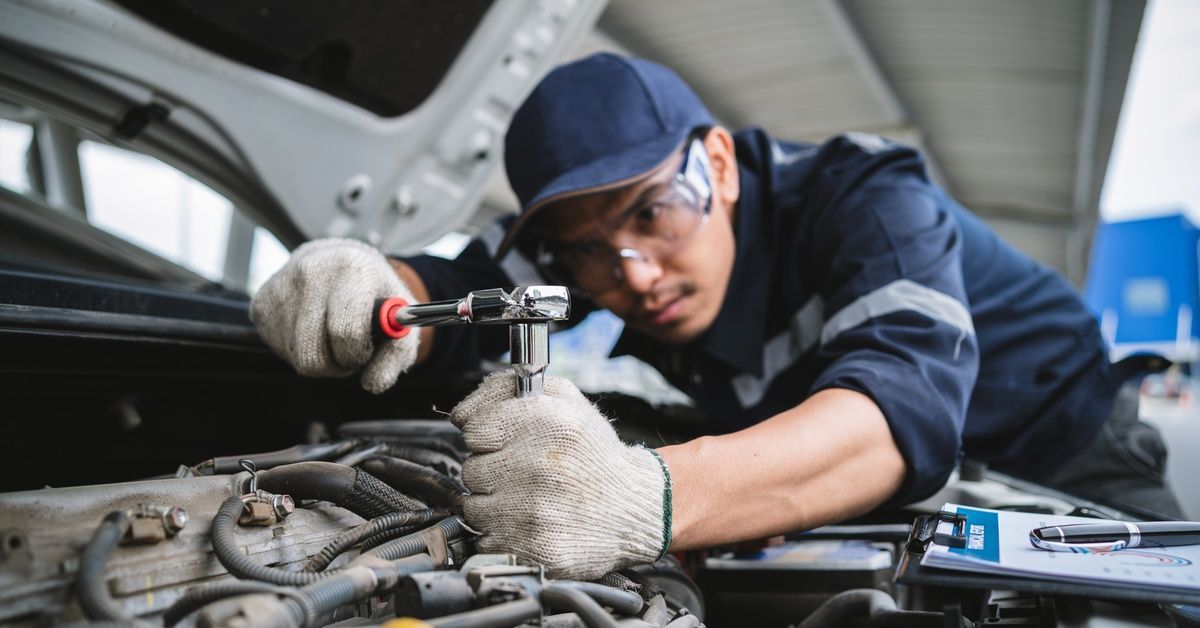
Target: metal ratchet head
527	310
523	304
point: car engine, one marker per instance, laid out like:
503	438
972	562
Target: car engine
357	530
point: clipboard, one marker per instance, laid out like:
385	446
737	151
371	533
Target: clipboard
910	571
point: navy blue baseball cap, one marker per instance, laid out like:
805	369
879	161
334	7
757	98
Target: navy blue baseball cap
594	123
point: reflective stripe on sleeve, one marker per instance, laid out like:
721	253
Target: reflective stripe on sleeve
786	348
781	352
900	295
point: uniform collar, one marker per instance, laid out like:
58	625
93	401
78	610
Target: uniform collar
736	335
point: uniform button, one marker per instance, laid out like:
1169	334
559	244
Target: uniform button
697	379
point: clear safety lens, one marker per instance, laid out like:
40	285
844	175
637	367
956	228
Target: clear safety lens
654	231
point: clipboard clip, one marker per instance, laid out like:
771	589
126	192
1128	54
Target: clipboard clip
930	529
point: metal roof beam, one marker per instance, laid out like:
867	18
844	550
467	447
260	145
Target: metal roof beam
1039	216
1083	205
848	33
847	30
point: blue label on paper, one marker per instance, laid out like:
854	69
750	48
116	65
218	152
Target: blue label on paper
982	530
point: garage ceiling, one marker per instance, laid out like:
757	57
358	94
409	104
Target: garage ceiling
1015	102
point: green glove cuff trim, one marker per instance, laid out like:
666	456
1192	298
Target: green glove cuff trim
666	503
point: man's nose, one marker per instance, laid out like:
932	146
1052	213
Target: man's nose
638	271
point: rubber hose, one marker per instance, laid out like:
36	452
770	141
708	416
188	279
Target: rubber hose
498	616
840	609
573	599
371	497
415	543
348	487
94	598
296	453
412	478
197	597
623	602
330	593
326	481
354	535
238	563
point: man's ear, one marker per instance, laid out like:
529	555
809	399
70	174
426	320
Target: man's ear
726	186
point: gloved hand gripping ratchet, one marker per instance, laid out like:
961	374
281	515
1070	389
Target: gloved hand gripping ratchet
527	310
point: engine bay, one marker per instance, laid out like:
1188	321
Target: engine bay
361	528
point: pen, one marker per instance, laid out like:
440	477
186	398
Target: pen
1108	536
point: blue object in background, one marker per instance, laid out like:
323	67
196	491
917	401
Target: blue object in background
1144	286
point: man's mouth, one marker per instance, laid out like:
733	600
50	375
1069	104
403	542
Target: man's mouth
669	313
670	310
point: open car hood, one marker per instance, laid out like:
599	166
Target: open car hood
293	112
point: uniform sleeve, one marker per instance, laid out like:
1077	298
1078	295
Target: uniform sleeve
897	323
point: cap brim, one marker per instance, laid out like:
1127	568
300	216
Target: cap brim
611	171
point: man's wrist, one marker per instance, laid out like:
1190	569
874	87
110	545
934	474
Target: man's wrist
667	503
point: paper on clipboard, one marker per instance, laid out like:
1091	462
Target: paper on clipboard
998	543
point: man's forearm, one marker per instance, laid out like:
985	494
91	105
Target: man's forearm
830	458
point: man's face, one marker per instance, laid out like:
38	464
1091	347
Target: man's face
673	298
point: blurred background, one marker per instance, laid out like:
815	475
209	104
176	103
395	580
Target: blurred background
1072	127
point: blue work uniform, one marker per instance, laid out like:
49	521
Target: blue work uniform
854	270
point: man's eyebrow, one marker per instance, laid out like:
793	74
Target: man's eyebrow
638	201
642	198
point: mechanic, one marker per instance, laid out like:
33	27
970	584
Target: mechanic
850	330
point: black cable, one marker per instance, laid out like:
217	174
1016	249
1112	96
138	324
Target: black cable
385	523
415	543
497	616
230	554
305	605
356	457
379	538
94	598
451	466
412	478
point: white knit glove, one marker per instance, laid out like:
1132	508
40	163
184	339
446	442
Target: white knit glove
317	313
552	483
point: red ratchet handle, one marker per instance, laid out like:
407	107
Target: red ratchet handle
386	317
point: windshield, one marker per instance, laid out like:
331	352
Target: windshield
72	202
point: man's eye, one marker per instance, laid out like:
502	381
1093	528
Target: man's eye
650	214
586	250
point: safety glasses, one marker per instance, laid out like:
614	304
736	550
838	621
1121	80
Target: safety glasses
651	230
